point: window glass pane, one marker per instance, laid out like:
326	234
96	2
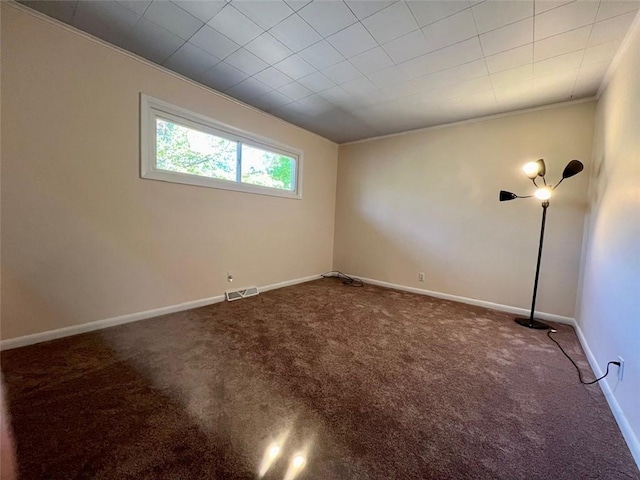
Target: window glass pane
184	150
268	169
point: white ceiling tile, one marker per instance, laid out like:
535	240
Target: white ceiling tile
317	82
63	10
597	70
454	55
234	25
413	68
555	65
321	55
511	58
516	97
273	77
428	12
563	43
458	74
359	86
390	23
268	48
565	18
506	38
494	14
264	13
371	60
152	41
405	89
213	42
296	5
611	29
203	10
514	76
562	81
222	76
246	61
327	17
190	60
172	18
295	67
406	47
248	89
544	5
342	72
295	33
271	100
107	20
586	86
467	87
387	77
364	9
352	40
295	91
137	6
316	105
603	52
335	95
450	30
613	8
590	77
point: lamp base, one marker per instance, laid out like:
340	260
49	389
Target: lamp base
526	322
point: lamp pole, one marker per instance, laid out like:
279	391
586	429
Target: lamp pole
533	170
531	322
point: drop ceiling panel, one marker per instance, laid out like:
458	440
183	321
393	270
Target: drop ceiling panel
266	14
173	18
357	68
327	18
203	11
391	22
234	25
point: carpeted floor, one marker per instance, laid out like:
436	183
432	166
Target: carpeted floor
368	383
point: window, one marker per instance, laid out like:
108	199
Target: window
185	147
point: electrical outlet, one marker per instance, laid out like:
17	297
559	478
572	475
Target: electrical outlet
229	277
421	277
621	368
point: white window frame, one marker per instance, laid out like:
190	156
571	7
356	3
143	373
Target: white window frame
152	108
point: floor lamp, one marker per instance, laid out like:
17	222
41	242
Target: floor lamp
543	192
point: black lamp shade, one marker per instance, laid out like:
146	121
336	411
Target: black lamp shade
505	196
574	167
542	168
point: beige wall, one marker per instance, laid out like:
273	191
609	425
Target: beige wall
428	202
609	306
84	238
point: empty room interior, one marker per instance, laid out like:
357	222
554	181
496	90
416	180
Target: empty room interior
320	239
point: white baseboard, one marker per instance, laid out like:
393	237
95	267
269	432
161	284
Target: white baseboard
625	427
132	317
471	301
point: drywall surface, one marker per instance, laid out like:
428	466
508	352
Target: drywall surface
428	202
609	304
84	238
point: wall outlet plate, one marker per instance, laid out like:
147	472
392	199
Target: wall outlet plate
621	368
421	277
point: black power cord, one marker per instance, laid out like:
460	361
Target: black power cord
346	279
574	363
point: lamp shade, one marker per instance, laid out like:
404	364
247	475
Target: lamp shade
505	196
542	168
574	167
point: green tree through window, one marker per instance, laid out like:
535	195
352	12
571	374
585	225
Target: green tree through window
184	150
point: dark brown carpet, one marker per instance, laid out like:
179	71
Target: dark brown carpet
371	383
